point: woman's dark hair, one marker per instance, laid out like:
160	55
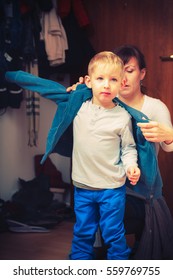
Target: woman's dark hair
126	52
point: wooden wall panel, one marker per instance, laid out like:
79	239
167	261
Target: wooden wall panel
149	25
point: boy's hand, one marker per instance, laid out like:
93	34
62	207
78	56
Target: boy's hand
133	174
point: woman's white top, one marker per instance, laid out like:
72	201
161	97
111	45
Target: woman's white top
156	110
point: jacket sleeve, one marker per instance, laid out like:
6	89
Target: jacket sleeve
46	88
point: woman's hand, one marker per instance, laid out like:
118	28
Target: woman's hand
73	87
156	132
133	174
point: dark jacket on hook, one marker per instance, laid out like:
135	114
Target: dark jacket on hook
150	183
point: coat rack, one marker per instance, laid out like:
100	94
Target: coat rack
167	58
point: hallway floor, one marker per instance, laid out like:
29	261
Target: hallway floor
53	245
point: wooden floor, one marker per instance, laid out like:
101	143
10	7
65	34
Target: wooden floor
54	245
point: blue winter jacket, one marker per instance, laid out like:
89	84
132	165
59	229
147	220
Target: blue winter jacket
150	183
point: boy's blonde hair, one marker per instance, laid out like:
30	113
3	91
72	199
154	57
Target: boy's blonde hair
105	57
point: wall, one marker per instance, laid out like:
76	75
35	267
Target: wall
17	158
149	25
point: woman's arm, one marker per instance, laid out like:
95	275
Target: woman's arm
159	129
157	132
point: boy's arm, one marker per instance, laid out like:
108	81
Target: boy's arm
129	156
46	88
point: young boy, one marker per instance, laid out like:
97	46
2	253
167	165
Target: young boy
104	154
104	151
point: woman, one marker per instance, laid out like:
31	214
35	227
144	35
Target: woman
160	131
147	214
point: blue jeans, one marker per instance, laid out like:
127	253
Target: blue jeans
104	208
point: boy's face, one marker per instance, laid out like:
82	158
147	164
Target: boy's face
105	82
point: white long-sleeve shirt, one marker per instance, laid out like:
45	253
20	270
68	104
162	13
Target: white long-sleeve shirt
103	146
156	110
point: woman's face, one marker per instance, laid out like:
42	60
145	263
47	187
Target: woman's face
133	76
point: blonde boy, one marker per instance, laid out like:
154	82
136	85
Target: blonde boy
104	154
